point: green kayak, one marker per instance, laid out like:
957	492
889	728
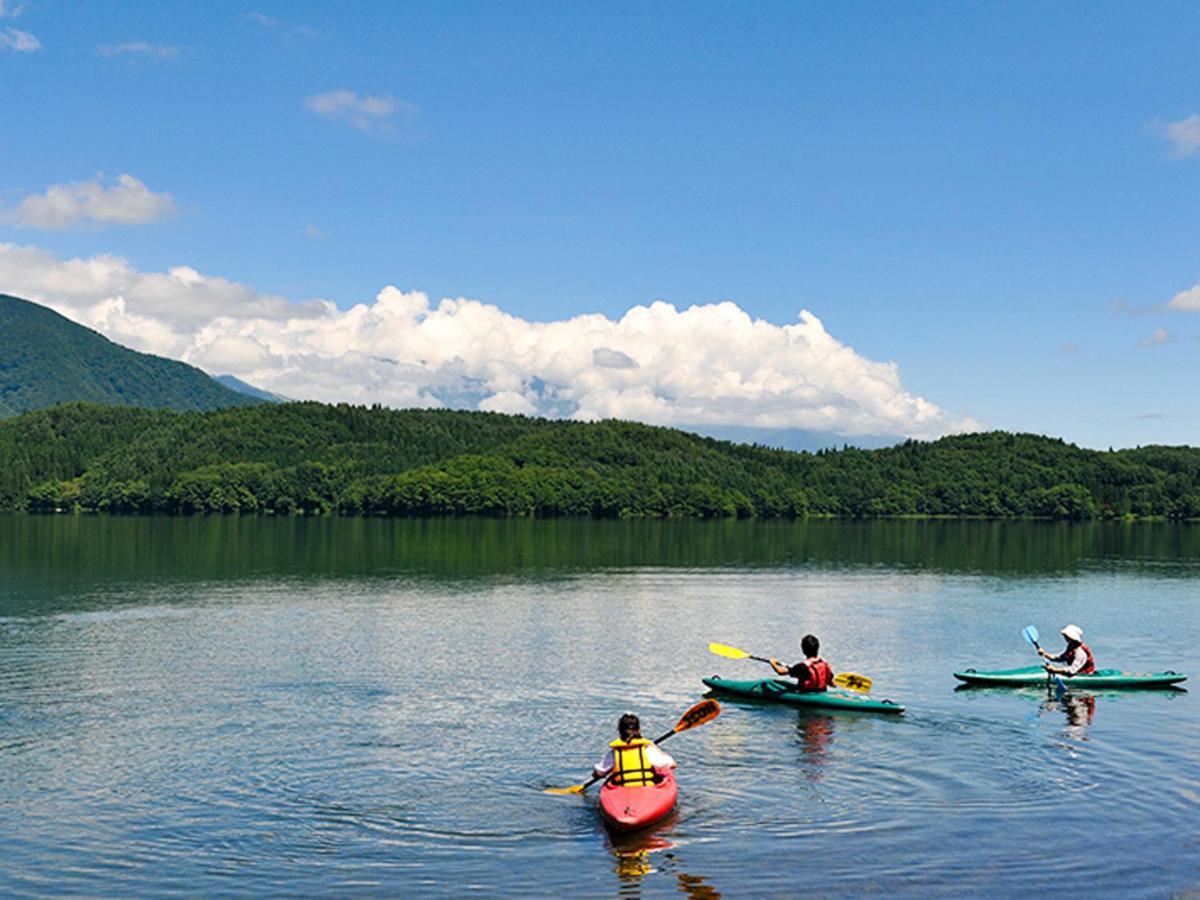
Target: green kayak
1102	678
777	691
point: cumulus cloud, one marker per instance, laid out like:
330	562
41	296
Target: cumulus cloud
366	113
138	49
127	202
612	359
19	41
706	365
1182	136
1186	301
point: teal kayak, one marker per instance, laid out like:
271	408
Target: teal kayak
776	691
1102	678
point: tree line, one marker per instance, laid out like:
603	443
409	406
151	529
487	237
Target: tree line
316	458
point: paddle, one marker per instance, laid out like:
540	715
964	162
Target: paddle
1060	688
703	712
1030	633
849	680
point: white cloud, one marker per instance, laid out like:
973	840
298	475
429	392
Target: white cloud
705	365
20	41
1183	136
1159	337
1187	301
10	12
128	202
367	113
138	49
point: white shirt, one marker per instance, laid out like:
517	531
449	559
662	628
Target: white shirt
1078	660
654	756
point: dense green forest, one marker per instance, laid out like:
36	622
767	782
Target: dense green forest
47	359
313	458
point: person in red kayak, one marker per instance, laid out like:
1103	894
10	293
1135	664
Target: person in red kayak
1078	656
814	674
632	760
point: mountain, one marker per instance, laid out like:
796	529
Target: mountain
46	359
236	384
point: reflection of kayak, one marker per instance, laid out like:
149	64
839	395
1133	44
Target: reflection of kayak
1102	678
779	692
631	808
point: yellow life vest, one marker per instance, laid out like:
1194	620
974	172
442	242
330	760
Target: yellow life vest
631	767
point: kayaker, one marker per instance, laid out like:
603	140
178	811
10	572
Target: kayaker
814	674
1078	656
632	760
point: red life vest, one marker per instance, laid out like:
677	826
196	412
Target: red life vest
1090	666
820	675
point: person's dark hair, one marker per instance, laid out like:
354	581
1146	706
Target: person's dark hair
810	645
629	727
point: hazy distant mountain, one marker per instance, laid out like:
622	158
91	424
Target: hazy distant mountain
46	359
792	438
236	384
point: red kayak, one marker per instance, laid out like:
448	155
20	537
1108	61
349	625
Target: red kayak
631	808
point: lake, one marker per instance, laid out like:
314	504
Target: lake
349	706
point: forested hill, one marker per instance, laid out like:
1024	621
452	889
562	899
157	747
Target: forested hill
46	358
308	457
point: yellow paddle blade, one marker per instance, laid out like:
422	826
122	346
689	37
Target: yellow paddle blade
573	789
726	650
853	682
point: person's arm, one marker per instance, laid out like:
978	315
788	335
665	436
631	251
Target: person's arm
605	766
658	759
780	668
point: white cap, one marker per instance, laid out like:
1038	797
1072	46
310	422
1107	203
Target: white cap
1072	633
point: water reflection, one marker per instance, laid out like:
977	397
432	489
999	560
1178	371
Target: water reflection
632	853
55	547
815	733
1080	710
649	852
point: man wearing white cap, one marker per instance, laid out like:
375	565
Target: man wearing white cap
1078	657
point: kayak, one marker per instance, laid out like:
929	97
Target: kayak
780	692
1102	678
631	808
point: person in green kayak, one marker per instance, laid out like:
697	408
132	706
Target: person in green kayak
814	674
1077	656
632	760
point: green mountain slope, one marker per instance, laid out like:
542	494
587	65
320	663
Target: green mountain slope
47	359
277	458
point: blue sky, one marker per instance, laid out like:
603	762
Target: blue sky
998	199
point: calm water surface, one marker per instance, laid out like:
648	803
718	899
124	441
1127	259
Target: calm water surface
249	706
